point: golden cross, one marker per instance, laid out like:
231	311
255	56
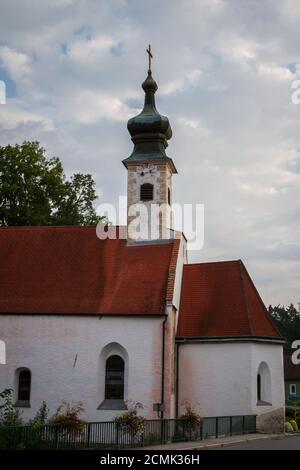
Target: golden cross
150	56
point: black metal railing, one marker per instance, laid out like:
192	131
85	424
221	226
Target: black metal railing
112	435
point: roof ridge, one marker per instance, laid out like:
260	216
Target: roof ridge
246	298
51	227
268	316
172	270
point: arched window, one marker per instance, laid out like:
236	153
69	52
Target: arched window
146	192
24	385
258	387
263	385
169	196
114	378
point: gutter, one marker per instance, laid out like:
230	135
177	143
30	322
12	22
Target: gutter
230	339
177	382
163	366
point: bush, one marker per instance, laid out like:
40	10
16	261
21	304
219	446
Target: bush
294	425
41	416
67	416
130	421
9	414
191	416
288	427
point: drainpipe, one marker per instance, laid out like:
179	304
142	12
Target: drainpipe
163	365
177	382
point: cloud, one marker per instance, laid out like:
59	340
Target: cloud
90	107
12	116
224	71
275	71
16	63
180	84
87	50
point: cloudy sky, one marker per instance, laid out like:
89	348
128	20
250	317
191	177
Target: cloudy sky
73	70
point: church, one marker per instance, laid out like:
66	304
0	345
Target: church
109	320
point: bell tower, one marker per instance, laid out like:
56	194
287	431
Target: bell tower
150	170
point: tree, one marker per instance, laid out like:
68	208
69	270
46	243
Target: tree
35	191
287	320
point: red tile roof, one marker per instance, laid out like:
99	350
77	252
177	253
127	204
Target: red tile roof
220	300
62	270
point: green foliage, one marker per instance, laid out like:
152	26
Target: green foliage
34	190
191	416
9	414
41	416
294	425
67	416
287	320
130	421
288	427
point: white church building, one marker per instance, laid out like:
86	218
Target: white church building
104	321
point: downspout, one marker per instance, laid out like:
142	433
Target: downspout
163	366
177	382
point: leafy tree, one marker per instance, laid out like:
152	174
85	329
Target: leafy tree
287	320
35	191
9	415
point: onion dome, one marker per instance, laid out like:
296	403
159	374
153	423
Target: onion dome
149	130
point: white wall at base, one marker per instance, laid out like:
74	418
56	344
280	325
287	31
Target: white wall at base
272	355
222	377
64	356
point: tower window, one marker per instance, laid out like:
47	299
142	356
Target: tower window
146	192
169	196
114	378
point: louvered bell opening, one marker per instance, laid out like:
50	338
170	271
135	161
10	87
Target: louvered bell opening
146	192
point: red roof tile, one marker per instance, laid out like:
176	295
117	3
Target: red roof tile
219	299
61	270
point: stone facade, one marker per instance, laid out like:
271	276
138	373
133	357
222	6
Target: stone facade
160	176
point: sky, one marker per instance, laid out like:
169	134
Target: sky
73	71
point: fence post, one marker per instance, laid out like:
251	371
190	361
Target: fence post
230	425
117	436
88	434
56	437
217	427
243	424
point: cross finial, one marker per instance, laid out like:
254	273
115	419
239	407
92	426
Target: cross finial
150	56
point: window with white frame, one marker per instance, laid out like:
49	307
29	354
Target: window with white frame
293	389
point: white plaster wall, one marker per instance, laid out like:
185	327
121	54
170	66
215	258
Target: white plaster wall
221	377
181	260
48	345
272	355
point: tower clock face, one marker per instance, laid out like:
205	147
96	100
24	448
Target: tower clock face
146	170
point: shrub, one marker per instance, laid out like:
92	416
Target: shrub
191	416
9	414
294	425
288	427
130	421
41	416
67	416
